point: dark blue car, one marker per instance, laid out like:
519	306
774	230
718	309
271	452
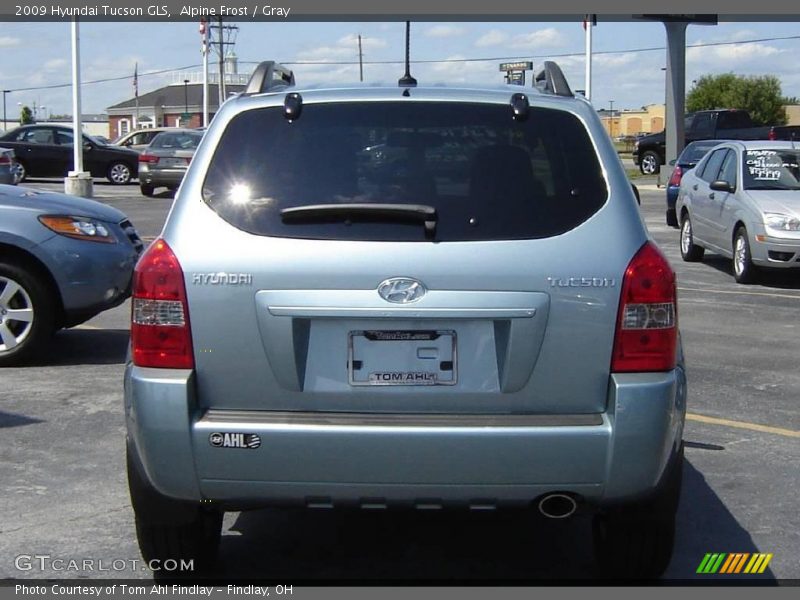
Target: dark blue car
687	159
63	259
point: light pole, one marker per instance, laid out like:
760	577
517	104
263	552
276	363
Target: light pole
5	122
611	119
186	101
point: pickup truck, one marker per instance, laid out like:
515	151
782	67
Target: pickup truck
649	151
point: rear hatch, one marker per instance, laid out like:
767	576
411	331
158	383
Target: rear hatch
403	256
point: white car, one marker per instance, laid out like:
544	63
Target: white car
743	201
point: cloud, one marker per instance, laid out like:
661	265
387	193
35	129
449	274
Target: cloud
55	64
346	48
458	72
543	38
494	37
8	42
444	31
730	56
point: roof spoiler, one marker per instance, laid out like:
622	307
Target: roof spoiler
269	76
551	80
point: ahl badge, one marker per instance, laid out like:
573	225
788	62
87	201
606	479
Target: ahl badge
235	440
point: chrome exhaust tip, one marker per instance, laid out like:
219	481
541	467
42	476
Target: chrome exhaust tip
557	506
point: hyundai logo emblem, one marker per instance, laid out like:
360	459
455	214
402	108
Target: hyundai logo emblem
401	290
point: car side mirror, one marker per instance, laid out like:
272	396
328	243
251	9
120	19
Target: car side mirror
672	162
87	146
720	185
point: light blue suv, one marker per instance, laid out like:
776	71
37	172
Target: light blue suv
406	297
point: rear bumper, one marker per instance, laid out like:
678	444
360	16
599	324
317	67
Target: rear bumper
377	460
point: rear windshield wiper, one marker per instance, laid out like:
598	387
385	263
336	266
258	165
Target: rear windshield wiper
415	213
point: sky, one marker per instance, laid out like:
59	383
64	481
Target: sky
627	62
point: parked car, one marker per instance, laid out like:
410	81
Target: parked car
46	151
63	259
686	160
735	124
314	329
743	201
138	140
7	171
164	162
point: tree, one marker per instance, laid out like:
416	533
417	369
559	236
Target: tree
25	116
759	95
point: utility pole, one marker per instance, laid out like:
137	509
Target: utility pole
77	182
225	36
5	122
360	60
204	32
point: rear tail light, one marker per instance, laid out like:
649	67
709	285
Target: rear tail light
647	326
772	135
5	159
160	332
148	158
677	174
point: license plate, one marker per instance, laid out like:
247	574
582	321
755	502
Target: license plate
402	357
173	162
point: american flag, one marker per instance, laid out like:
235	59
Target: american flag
136	80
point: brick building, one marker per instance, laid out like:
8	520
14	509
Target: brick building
174	105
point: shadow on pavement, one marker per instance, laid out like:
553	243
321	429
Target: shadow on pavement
448	547
85	347
8	419
786	279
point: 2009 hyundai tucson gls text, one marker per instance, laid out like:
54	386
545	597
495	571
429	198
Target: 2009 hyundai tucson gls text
406	297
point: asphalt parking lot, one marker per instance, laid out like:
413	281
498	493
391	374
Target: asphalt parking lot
65	495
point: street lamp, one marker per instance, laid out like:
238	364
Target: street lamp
186	101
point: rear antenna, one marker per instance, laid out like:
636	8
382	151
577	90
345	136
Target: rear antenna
407	80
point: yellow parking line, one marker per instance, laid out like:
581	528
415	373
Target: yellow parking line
685	289
742	425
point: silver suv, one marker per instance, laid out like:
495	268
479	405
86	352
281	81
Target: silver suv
406	297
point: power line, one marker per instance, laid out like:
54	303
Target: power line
423	61
517	56
106	80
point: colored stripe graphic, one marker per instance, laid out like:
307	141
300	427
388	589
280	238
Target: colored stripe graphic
728	564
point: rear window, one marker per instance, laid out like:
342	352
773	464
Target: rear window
487	176
177	141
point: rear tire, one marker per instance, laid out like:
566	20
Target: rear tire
170	529
672	218
119	173
27	313
690	252
744	271
147	189
650	163
636	541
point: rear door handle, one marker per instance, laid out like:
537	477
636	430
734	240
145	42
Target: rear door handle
711	195
694	187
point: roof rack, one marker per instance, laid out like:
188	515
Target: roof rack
269	76
551	80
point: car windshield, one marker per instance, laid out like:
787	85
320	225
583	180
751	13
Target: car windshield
771	169
485	175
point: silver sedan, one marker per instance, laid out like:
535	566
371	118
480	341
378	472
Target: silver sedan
743	201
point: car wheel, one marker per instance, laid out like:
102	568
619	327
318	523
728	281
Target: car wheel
636	541
19	172
672	218
27	314
744	271
650	163
147	189
690	252
170	529
119	173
